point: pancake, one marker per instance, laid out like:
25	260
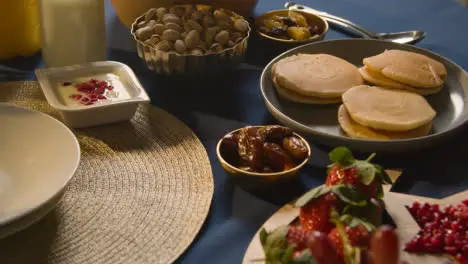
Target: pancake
387	109
297	98
317	75
355	130
378	79
409	68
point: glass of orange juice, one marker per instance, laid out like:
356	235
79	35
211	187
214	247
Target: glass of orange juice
19	28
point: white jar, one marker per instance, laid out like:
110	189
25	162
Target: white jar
73	31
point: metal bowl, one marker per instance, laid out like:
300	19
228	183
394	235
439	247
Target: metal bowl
259	176
285	44
170	63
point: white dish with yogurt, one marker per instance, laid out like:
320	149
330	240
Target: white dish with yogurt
61	89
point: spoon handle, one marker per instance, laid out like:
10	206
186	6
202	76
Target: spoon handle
338	22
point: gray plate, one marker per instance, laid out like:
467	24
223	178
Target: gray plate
320	124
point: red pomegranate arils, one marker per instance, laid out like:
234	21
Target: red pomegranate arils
442	230
93	89
110	88
102	97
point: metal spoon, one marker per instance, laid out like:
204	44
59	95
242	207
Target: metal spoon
406	37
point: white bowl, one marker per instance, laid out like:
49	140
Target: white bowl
103	112
38	157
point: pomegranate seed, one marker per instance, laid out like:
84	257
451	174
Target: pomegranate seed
110	88
93	81
102	97
100	90
92	96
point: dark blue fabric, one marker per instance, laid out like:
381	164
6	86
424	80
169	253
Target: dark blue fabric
215	106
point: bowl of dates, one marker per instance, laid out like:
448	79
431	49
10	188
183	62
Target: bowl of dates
263	151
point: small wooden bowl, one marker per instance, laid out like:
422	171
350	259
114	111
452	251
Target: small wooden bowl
273	176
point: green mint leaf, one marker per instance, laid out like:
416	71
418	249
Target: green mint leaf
288	255
275	244
263	236
312	194
366	171
350	195
383	174
380	193
341	155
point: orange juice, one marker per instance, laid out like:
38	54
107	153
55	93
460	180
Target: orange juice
19	28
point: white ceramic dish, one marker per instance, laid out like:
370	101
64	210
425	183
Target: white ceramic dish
38	157
130	93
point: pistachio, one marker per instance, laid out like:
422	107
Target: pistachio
141	24
221	15
170	18
223	24
216	47
179	46
192	39
235	35
231	43
158	29
150	14
160	12
197	52
150	43
210	33
241	25
173	26
197	16
170	35
183	35
178	11
187	27
155	38
208	21
144	33
239	40
151	23
164	46
194	25
222	37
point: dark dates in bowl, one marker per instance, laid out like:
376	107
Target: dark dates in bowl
263	151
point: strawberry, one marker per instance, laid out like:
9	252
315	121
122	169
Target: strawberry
361	174
315	215
298	236
358	237
350	176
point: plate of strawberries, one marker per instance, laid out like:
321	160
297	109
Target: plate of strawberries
354	218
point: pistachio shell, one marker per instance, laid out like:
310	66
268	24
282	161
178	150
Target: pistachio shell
150	14
241	25
171	18
206	12
208	21
178	11
231	43
141	24
173	26
216	47
192	39
179	46
235	35
150	43
160	12
164	46
144	33
155	38
221	15
197	52
239	40
170	35
183	35
210	33
158	29
194	25
151	23
223	24
222	37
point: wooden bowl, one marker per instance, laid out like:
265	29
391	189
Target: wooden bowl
259	176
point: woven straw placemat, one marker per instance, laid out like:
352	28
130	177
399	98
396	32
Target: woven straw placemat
140	195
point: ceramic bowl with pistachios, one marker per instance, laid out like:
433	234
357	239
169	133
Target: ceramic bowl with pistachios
263	152
190	39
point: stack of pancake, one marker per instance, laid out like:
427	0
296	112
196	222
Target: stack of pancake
403	70
314	78
371	112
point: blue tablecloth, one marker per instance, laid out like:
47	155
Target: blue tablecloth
213	108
